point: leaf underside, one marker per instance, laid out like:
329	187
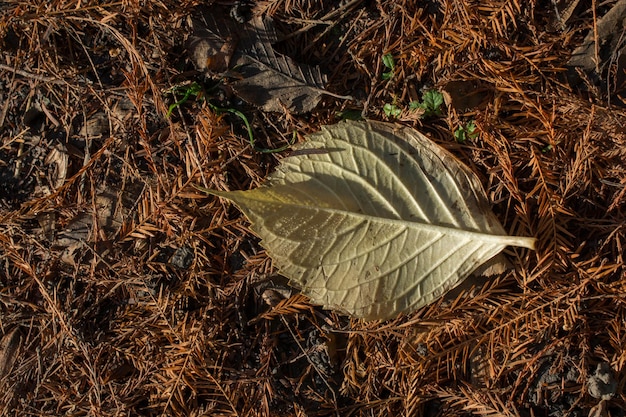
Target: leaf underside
373	219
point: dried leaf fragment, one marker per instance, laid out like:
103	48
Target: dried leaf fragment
601	55
373	219
266	78
9	350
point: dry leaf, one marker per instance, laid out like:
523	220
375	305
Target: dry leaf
601	55
464	95
9	349
266	78
58	157
374	219
111	208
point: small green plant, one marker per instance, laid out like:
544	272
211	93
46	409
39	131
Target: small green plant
391	110
431	103
468	131
390	63
196	90
350	114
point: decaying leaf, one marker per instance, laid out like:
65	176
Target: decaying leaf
111	208
58	157
9	350
265	77
601	55
374	219
564	10
464	95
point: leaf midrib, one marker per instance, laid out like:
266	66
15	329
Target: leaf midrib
504	240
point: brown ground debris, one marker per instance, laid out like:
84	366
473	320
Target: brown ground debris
124	291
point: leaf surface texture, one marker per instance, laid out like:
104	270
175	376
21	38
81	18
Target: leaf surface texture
374	219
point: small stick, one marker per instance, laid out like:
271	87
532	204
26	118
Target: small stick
31	75
325	18
595	38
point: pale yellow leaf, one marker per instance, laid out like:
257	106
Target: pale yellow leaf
373	219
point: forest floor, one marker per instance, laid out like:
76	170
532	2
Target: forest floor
125	291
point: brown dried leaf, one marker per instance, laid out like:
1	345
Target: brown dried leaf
58	157
466	95
603	47
9	347
270	80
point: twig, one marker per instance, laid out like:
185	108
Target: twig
5	108
596	39
27	74
315	367
326	17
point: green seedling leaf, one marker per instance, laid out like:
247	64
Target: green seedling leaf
390	63
391	110
459	134
350	114
373	219
466	132
470	128
432	101
187	91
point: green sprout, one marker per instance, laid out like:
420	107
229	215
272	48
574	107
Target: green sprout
431	103
196	90
193	89
390	63
391	110
350	114
466	132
